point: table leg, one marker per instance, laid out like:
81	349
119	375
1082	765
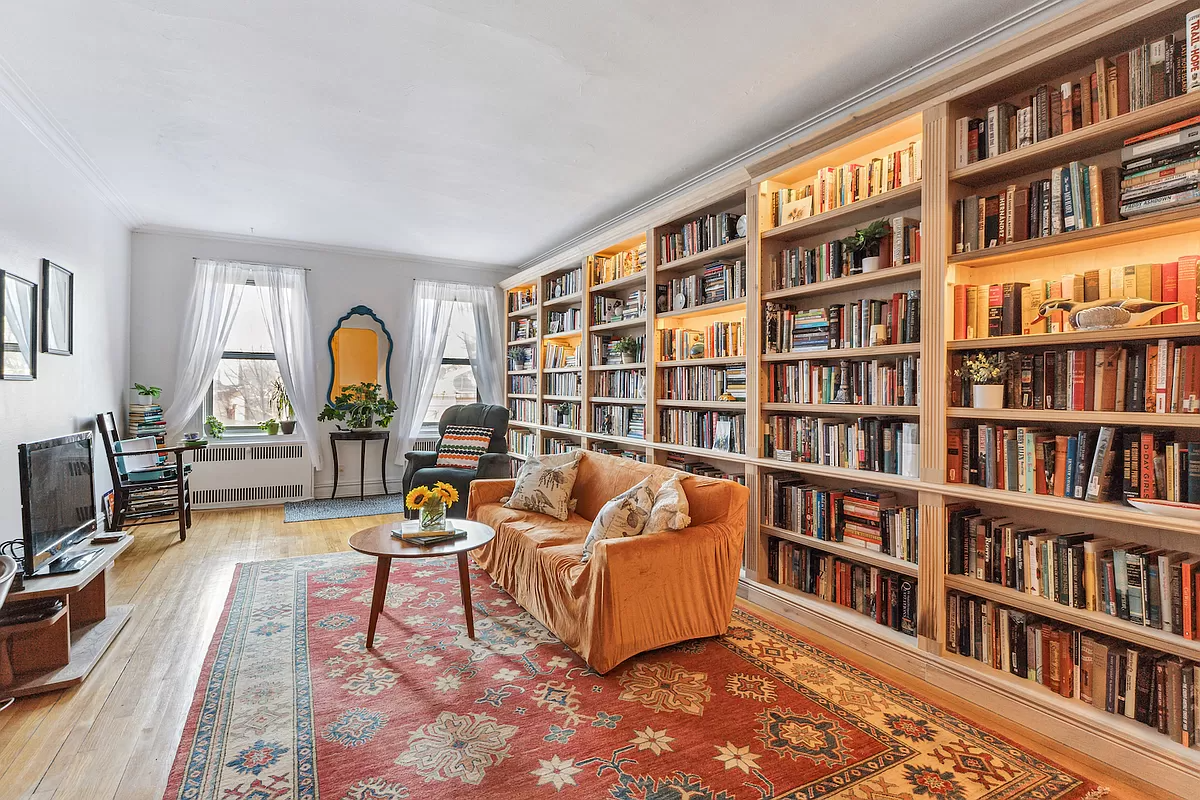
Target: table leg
383	465
180	500
362	468
336	470
383	569
464	583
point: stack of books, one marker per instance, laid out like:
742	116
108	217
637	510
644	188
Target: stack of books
521	298
868	443
724	280
564	285
559	356
711	430
786	330
627	384
692	465
568	321
712	230
410	532
146	419
563	415
878	382
614	420
1161	169
614	267
523	328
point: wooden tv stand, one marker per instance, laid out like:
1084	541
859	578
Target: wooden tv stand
61	650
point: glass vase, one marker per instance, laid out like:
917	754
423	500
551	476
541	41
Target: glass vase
433	516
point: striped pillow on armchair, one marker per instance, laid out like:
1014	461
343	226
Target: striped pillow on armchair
461	446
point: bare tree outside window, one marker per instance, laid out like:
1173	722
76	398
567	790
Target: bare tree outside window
241	390
456	381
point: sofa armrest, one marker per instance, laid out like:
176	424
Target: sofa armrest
494	465
421	458
488	491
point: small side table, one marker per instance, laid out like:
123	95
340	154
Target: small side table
362	437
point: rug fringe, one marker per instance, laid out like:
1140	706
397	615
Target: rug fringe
1097	793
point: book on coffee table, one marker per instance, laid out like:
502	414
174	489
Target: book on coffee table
410	531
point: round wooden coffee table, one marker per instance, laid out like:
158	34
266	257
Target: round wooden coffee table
379	542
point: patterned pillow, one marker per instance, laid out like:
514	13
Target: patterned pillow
462	446
544	485
670	510
624	515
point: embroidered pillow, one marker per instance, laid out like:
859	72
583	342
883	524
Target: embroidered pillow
670	509
544	485
624	515
462	446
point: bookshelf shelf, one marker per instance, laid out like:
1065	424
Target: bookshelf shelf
702	310
1147	226
1027	415
1096	621
563	334
813	409
879	351
516	423
551	370
702	362
524	371
565	300
574	398
720	405
844	615
848	551
620	283
518	456
527	311
516	396
527	340
639	322
608	367
1099	137
1176	331
718	455
628	441
622	401
881	205
902	272
842	473
700	259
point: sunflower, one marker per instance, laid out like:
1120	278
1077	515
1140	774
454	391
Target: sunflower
418	497
447	492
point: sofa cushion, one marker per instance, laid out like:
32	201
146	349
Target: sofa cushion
544	485
670	509
624	515
462	445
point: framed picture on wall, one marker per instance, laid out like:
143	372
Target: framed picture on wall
58	309
18	328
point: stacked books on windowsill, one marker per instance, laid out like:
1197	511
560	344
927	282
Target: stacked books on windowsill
410	532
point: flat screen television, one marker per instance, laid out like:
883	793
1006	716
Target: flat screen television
58	503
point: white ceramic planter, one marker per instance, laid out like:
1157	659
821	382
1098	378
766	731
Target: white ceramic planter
988	396
871	264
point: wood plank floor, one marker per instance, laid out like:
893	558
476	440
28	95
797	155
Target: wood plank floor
115	735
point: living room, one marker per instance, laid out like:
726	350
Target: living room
407	402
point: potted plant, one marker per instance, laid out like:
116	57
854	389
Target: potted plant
986	373
516	357
144	395
864	244
270	426
283	407
627	347
432	504
360	406
214	426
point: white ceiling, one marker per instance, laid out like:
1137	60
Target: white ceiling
465	129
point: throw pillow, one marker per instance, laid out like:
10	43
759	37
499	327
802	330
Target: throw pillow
670	510
462	446
624	515
544	485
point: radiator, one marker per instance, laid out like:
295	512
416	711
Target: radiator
428	445
225	475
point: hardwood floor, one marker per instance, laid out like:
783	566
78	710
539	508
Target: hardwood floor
115	736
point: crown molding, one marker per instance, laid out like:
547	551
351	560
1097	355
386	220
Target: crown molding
740	164
19	99
317	247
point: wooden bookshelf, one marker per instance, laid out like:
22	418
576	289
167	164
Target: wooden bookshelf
722	405
702	310
850	283
850	353
1024	416
702	362
692	262
848	409
847	551
1042	340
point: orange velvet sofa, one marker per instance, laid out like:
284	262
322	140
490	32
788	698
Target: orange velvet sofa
634	594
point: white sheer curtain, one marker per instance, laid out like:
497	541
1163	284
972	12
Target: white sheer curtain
20	303
487	356
285	298
216	295
429	326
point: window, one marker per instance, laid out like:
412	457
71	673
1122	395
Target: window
245	385
456	381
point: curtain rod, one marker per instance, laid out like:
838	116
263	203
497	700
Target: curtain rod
253	263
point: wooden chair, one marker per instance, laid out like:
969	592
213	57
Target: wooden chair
127	492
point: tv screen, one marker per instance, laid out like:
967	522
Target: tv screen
57	499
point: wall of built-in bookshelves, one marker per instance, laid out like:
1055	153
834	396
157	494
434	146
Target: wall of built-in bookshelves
998	551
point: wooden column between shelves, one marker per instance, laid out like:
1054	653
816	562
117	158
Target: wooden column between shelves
753	378
650	353
931	571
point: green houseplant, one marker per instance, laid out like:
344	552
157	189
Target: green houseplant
864	244
628	347
986	373
214	426
282	405
360	406
270	426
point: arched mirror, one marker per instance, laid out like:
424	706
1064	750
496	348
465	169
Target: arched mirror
360	351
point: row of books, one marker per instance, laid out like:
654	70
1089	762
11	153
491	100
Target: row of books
711	430
1148	586
1161	169
522	357
523	410
719	340
1158	377
154	503
629	384
1147	74
604	349
523	328
1072	198
861	517
618	309
843	326
568	283
555	445
610	268
560	355
564	384
522	384
619	420
888	598
873	444
698	235
612	450
568	320
717	282
564	414
702	383
1138	683
882	383
521	441
1095	466
146	419
694	466
801	266
834	187
521	298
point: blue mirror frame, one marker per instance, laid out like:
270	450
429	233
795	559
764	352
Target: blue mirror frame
362	311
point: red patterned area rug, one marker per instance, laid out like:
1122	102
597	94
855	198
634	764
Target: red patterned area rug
291	705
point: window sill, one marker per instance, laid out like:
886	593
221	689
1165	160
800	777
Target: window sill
257	438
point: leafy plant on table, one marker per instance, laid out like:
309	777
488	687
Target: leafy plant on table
357	405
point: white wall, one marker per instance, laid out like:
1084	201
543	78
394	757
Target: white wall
48	211
337	281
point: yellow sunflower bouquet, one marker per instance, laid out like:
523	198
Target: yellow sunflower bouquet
432	503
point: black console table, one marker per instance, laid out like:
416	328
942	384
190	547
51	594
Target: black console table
362	437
